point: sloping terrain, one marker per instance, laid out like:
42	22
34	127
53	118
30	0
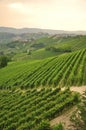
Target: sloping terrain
41	46
35	90
64	70
24	110
65	117
37	30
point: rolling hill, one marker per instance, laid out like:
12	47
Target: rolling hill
63	70
35	86
30	91
37	30
44	47
31	109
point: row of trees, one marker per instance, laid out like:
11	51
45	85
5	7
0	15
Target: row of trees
61	50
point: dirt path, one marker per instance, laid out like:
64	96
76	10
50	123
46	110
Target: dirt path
65	117
78	89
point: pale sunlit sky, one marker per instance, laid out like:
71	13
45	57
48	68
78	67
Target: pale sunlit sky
48	14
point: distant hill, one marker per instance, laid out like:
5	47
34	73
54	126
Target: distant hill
9	36
38	30
6	37
44	47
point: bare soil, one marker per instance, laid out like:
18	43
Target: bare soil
78	89
65	117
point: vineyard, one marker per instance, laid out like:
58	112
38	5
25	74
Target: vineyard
26	109
64	70
31	91
48	46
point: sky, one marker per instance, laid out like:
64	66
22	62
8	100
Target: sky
45	14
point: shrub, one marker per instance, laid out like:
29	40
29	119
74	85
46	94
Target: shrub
44	125
58	127
79	116
3	61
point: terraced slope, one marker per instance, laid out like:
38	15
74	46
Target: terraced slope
24	110
65	70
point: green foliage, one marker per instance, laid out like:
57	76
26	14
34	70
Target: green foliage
38	46
44	125
58	127
47	46
60	50
28	52
3	61
65	70
79	116
76	97
31	109
26	81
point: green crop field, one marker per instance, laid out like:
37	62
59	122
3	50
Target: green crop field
31	85
24	110
41	48
62	45
64	70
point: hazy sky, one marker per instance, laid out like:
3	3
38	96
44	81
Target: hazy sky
50	14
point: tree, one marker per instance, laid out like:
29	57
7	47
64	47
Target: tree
29	52
3	61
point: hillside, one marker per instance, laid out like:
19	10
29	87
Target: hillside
37	30
63	70
42	46
8	37
36	87
32	107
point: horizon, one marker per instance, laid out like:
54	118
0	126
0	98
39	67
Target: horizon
67	15
41	29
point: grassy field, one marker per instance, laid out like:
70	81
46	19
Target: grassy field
35	55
